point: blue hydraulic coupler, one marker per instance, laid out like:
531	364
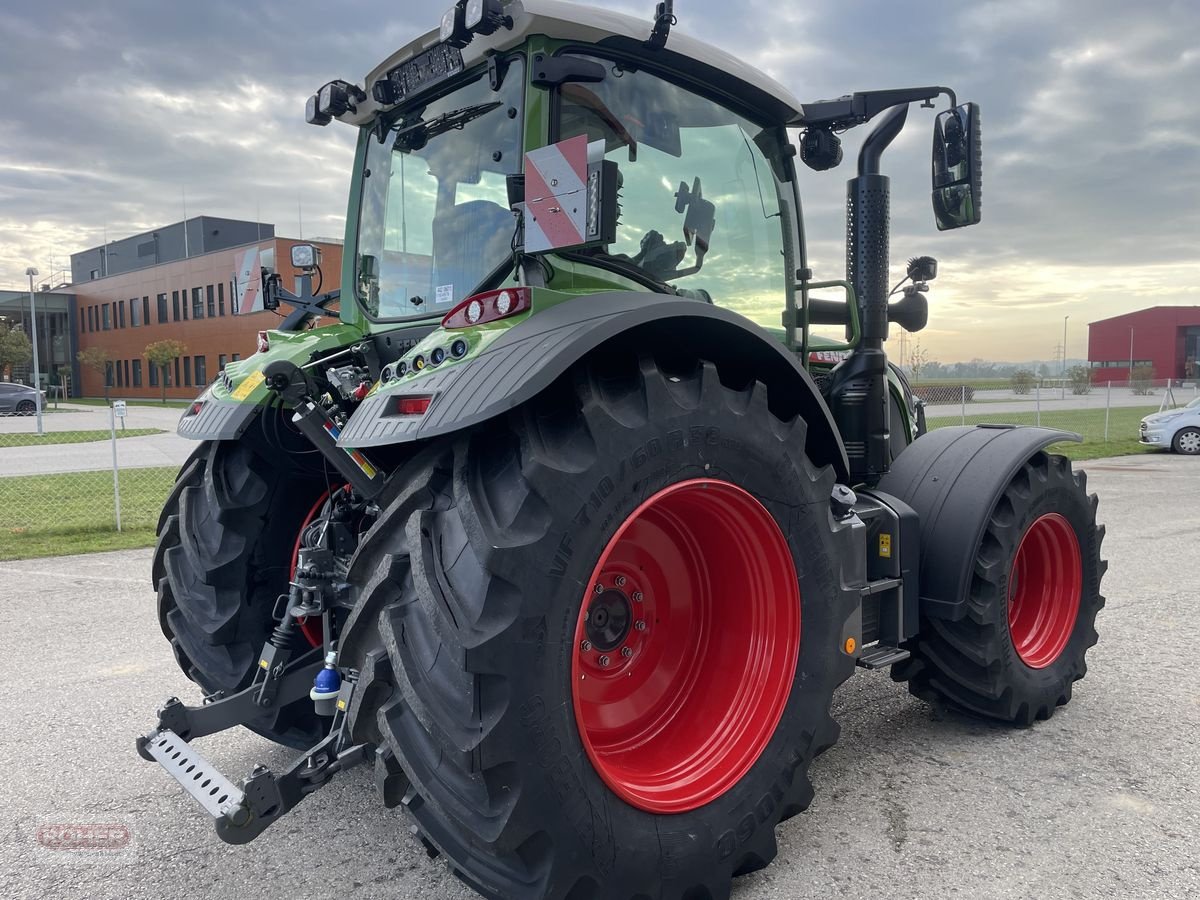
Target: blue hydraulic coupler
326	686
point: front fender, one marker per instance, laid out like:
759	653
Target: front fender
226	408
528	357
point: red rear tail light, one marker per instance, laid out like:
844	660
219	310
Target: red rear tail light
411	406
488	307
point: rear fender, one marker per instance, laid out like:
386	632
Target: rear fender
533	353
953	477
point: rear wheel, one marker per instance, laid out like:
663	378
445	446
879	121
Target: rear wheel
1187	441
609	631
225	551
1031	607
26	408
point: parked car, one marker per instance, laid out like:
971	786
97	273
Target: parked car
1178	429
19	399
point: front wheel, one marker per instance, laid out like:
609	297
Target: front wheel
1031	604
1187	441
610	629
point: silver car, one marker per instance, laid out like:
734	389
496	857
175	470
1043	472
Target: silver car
19	399
1178	429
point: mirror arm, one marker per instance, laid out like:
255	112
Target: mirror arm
879	139
861	107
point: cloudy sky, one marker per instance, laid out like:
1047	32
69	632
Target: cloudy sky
1091	124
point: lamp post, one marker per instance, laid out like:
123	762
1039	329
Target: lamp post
37	375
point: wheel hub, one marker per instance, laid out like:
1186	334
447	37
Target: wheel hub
1044	590
608	620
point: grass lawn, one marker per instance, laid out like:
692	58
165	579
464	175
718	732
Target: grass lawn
1122	428
71	437
53	515
139	401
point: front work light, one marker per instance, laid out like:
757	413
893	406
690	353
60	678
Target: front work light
305	256
339	97
453	31
313	114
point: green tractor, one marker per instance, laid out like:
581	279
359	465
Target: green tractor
569	526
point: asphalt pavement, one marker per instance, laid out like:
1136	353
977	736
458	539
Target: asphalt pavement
914	802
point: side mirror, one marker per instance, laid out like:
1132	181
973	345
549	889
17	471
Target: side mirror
957	167
267	274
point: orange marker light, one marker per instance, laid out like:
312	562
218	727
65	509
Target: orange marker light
850	646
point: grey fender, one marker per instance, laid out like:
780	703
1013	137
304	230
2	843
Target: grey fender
953	477
532	354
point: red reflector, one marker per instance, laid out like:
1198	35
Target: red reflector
196	407
412	406
263	343
362	390
488	307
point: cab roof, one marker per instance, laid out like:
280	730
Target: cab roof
701	62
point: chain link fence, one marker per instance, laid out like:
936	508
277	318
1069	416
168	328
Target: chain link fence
90	480
1108	413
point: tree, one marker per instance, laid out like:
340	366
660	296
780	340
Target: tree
15	349
98	360
162	354
1023	381
1081	379
918	359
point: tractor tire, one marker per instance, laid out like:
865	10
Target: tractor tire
1031	606
1186	441
226	542
579	627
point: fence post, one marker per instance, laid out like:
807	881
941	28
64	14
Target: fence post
962	404
1107	408
1037	392
112	424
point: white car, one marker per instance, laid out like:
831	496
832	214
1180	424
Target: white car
1178	429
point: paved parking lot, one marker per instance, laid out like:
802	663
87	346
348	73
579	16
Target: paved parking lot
1100	802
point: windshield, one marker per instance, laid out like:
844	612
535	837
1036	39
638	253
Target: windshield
434	221
699	198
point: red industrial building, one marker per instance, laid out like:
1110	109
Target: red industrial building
1166	338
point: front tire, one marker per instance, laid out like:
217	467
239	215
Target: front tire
1031	605
1187	441
225	547
478	587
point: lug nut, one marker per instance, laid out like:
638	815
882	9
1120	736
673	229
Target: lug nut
599	589
620	581
585	646
604	660
640	625
637	597
626	652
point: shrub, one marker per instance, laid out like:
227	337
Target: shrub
1141	379
1023	381
1081	379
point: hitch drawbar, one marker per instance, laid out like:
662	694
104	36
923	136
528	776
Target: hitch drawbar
242	813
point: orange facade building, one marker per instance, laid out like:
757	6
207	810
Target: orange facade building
210	301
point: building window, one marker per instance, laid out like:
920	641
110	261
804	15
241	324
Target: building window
237	357
175	305
221	299
162	309
197	304
221	362
135	317
126	373
212	302
145	310
177	370
201	370
152	371
106	310
91	318
120	375
94	274
137	373
187	371
108	374
183	297
120	313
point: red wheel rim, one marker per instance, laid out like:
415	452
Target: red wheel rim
686	646
1044	590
